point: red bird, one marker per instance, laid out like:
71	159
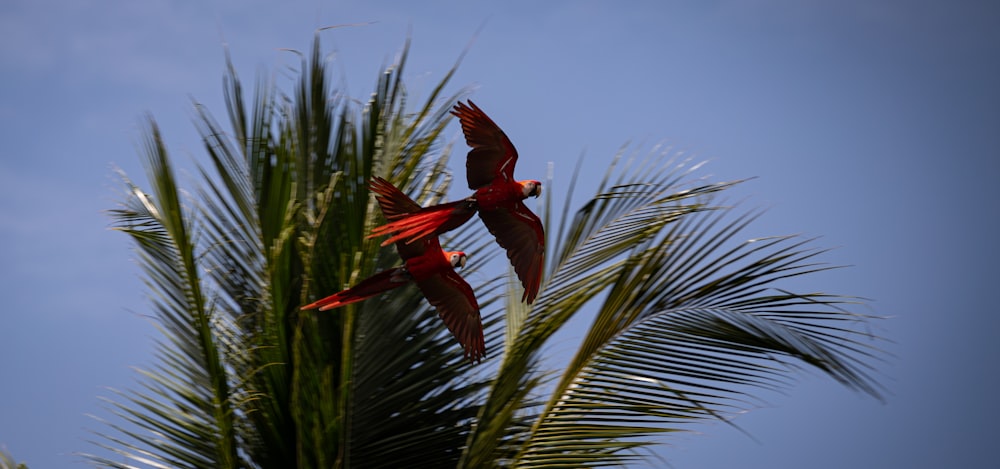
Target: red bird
489	169
431	268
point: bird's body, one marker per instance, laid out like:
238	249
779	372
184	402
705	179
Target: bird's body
500	195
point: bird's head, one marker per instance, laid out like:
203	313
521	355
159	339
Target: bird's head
531	188
457	259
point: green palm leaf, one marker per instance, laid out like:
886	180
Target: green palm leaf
201	428
691	323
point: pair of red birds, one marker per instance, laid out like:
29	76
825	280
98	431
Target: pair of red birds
498	201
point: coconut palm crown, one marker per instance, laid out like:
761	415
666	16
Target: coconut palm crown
688	322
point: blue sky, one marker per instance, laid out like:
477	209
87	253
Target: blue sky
873	124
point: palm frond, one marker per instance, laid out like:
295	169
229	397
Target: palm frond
197	381
692	324
589	254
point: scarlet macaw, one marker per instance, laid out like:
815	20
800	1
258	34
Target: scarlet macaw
431	268
489	169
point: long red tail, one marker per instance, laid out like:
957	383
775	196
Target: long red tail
367	288
428	221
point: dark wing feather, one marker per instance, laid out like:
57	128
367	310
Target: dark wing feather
520	232
457	307
492	154
394	203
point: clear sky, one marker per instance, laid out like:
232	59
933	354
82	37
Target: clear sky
873	124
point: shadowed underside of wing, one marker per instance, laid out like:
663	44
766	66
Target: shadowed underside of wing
492	155
520	232
457	307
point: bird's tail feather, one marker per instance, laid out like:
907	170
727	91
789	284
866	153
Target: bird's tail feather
367	288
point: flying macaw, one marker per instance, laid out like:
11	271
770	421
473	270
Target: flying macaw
489	169
427	265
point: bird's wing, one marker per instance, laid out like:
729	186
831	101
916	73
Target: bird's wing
520	232
396	205
492	155
394	202
457	307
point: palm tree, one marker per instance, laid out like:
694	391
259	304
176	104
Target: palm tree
689	321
